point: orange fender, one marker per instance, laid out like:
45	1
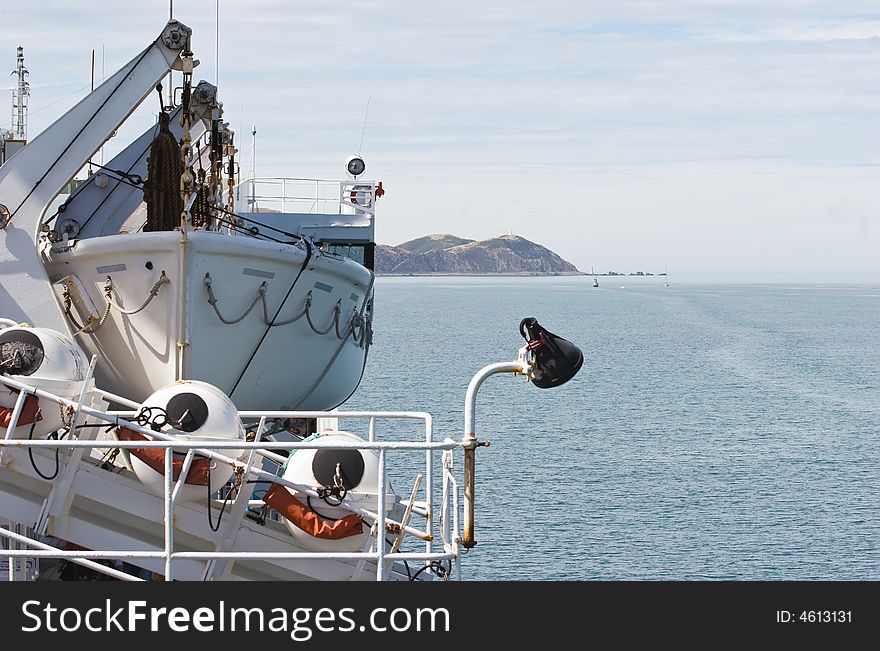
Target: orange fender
280	499
199	470
27	416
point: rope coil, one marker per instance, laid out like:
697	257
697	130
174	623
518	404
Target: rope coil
162	187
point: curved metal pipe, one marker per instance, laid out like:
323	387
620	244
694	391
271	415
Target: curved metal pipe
470	439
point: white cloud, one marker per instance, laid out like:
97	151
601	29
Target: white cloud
597	121
794	30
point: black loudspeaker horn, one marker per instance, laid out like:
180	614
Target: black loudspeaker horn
557	360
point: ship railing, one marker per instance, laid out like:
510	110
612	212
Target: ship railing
251	471
310	196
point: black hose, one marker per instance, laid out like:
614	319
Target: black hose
226	501
312	508
31	452
434	566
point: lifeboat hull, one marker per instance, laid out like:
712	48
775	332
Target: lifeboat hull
312	363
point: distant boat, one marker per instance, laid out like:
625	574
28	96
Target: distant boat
666	274
595	280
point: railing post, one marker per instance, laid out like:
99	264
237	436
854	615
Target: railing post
239	506
62	493
12	560
181	478
169	513
13	422
429	486
380	534
404	521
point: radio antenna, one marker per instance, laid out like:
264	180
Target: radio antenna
217	46
170	74
92	91
364	130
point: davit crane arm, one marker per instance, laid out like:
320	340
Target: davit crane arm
35	175
104	203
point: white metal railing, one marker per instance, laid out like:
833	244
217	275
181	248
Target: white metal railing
256	450
453	543
316	196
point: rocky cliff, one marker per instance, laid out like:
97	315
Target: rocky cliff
447	254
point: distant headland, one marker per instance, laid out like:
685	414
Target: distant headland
448	254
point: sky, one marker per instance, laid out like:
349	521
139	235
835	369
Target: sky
712	137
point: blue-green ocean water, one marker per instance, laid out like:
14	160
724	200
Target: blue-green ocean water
714	432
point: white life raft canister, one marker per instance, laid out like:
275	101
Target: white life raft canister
316	524
188	410
43	359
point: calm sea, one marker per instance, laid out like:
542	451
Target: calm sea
714	432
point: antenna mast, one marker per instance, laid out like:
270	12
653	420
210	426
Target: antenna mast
20	95
92	91
170	77
364	130
217	46
254	153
